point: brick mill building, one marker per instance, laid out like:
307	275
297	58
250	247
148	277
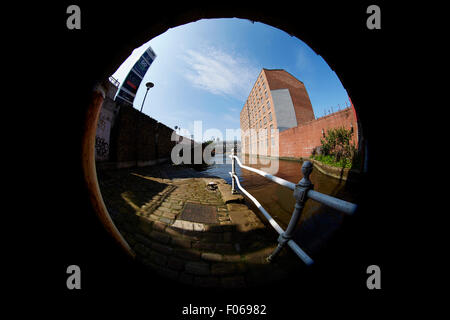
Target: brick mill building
279	103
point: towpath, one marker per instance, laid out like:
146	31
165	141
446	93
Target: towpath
182	230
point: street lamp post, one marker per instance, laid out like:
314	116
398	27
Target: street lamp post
148	85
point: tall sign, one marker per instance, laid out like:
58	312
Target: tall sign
128	88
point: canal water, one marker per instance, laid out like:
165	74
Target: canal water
279	200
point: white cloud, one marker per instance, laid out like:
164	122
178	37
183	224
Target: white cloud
303	60
220	72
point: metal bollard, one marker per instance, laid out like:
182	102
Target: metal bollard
300	191
233	171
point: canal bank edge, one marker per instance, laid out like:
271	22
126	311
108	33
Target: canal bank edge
343	174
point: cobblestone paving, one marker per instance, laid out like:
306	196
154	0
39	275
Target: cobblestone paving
145	204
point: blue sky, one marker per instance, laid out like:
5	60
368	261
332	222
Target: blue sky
205	70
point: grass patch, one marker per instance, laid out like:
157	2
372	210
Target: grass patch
331	161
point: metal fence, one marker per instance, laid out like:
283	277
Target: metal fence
302	191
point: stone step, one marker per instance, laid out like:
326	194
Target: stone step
227	196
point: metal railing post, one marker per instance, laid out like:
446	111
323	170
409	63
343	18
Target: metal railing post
300	191
233	172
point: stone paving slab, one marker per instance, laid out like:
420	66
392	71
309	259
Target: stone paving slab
199	213
147	210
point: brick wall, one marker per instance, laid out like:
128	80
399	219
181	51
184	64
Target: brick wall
281	79
165	145
299	141
134	137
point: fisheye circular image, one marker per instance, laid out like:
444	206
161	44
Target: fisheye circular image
227	154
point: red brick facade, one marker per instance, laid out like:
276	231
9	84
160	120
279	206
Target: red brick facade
280	79
259	114
299	141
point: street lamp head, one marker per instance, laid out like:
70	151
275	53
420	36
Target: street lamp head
148	85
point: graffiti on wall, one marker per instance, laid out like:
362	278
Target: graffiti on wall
101	148
103	135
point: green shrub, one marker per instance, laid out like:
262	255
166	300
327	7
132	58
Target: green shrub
337	149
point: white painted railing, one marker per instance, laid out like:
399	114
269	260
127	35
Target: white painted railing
302	191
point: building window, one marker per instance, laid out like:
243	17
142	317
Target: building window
270	116
268	104
265	120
